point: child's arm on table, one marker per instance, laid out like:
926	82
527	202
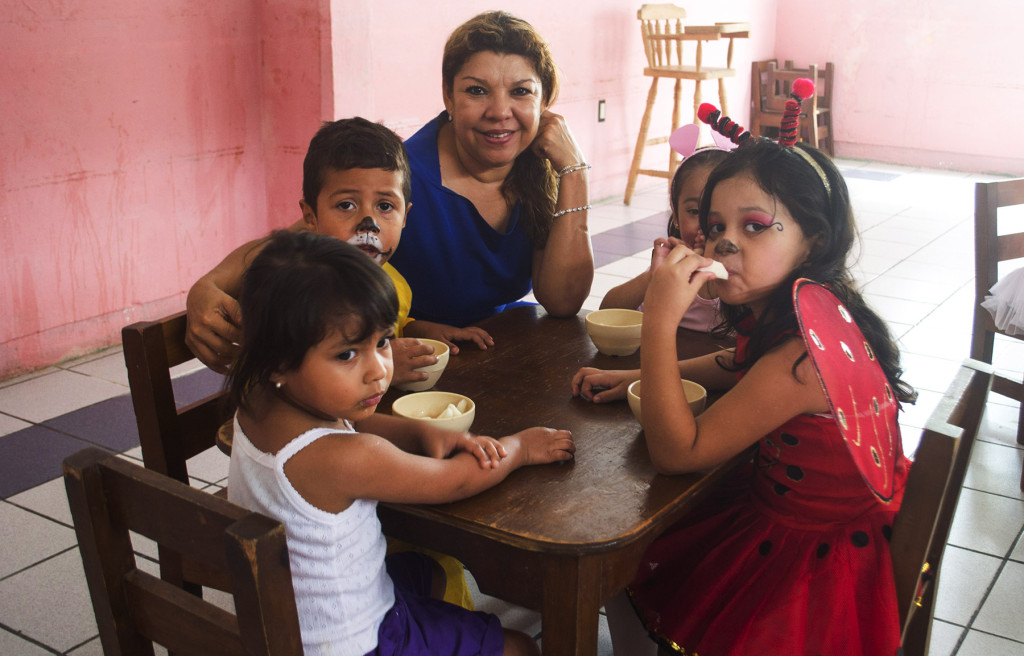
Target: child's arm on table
604	385
214	318
337	469
448	334
420	438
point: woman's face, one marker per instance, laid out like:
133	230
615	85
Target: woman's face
495	103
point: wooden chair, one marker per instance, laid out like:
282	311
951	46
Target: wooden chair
110	496
933	487
995	243
170	435
664	35
769	90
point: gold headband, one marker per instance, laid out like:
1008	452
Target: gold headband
821	173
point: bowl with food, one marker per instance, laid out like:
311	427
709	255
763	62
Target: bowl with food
442	409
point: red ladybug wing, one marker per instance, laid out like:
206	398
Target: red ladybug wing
861	399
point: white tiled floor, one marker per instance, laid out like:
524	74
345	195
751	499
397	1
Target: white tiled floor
917	268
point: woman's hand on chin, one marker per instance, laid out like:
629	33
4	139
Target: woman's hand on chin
554	142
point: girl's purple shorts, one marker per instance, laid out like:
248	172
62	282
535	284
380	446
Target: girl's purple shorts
419	625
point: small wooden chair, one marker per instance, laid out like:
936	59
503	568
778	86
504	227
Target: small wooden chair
170	436
922	526
110	496
663	32
995	243
769	90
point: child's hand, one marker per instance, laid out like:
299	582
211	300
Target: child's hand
675	282
539	445
440	443
449	334
600	386
409	354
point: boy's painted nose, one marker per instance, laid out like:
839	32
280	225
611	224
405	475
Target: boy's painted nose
368	225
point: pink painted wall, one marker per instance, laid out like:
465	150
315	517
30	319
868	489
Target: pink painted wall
143	141
919	82
387	66
140	141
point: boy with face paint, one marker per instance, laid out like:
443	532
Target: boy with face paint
355	187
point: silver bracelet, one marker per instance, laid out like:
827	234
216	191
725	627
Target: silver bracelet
582	166
571	209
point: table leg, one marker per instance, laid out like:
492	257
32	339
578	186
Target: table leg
569	615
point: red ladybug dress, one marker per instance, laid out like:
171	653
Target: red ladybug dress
794	558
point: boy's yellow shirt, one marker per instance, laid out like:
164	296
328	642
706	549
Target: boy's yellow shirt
404	297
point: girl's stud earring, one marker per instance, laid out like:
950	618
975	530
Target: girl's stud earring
450	117
278	384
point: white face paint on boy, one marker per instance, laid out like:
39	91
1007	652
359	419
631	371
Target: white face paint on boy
364	207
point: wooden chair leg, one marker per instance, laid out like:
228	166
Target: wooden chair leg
641	141
1020	423
811	123
722	98
673	156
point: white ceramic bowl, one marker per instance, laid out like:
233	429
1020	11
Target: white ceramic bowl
426	406
433	371
615	331
696	397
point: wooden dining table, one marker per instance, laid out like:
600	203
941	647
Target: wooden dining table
559	538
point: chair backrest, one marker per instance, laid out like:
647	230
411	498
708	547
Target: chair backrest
169	435
109	497
662	29
777	83
933	487
663	32
994	242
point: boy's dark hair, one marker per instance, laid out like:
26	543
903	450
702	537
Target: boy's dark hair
299	287
352	143
705	157
826	219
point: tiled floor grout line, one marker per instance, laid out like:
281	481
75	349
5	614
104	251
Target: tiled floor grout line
74	547
36	512
32	640
988	590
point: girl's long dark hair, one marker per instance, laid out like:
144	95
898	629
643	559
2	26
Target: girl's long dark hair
298	288
827	221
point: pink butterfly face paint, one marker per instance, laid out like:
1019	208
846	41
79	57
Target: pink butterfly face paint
756	239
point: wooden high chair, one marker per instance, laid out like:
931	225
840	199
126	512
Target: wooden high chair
109	497
996	242
769	90
663	32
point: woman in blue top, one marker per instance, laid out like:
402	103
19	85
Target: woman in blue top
499	202
499	189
